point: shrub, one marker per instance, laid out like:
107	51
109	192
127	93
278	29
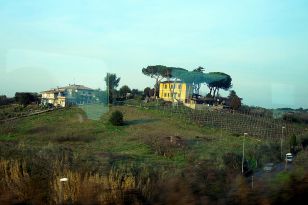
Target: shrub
293	143
232	161
304	141
26	98
116	118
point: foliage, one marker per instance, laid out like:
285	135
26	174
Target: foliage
267	153
232	94
222	81
235	101
124	90
256	111
293	143
199	69
304	141
158	72
214	80
297	117
26	98
5	100
112	82
152	92
196	78
136	92
147	91
197	85
232	161
116	118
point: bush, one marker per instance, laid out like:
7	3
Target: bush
296	117
5	100
232	161
304	141
26	98
116	118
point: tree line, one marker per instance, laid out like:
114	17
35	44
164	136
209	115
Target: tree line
114	94
22	98
213	80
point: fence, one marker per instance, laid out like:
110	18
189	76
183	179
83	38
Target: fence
232	121
23	115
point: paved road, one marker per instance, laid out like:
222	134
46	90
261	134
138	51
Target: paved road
277	169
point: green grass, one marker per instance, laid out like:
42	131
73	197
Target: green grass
7	137
73	127
282	179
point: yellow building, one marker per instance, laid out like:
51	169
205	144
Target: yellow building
175	91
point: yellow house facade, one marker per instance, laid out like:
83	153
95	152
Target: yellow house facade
175	91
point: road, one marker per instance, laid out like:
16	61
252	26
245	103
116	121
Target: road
282	166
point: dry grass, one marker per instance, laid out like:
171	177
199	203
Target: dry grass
14	177
18	185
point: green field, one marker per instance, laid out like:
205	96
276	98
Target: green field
78	140
76	128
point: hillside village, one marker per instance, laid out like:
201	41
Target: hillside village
176	89
170	91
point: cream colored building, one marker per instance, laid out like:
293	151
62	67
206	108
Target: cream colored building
71	94
55	97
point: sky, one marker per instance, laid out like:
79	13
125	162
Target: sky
261	44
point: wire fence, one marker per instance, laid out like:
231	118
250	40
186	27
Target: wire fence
231	121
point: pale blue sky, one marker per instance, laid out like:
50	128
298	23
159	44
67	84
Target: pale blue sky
262	44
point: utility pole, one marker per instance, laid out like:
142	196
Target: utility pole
252	182
243	155
281	138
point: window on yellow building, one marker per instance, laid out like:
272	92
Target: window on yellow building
179	95
171	86
168	95
165	94
165	86
179	86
